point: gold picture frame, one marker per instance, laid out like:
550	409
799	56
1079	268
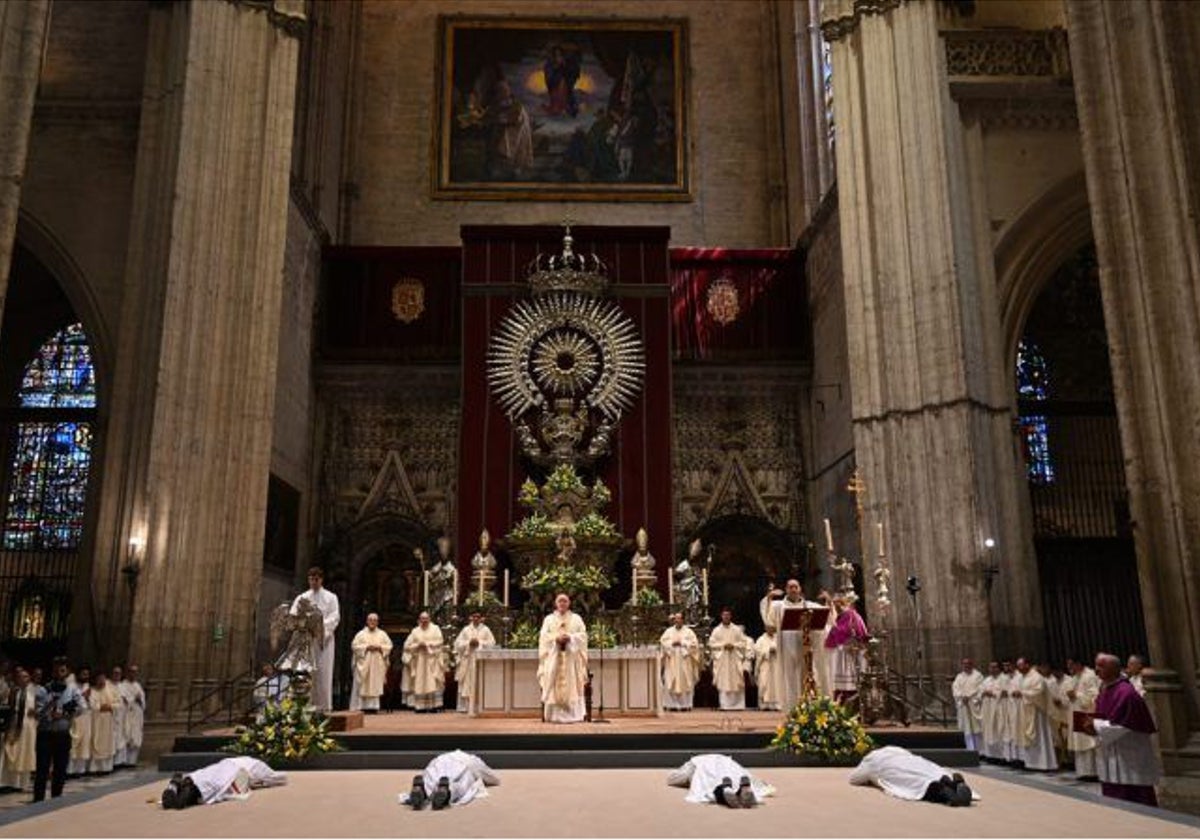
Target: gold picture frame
556	109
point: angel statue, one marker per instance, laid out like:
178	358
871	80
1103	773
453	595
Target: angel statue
687	584
305	631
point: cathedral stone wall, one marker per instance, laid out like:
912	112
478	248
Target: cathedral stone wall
736	138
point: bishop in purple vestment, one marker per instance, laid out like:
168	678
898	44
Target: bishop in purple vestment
1127	762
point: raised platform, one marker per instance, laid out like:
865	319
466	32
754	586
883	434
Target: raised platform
404	740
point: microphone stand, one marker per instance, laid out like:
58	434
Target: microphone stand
601	718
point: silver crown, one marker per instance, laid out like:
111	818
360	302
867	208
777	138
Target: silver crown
568	271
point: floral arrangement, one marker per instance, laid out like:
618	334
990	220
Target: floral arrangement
489	599
528	495
601	635
564	479
524	635
284	732
601	495
595	525
822	728
534	526
569	579
648	597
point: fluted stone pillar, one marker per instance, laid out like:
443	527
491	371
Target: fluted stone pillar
189	445
932	423
22	42
1135	66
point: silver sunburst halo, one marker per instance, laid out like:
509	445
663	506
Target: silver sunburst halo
565	362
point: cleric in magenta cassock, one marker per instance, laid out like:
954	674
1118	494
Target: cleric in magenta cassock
1127	762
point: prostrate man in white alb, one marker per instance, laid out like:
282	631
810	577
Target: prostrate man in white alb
453	778
425	665
1082	690
899	773
371	649
327	603
766	669
473	638
730	650
790	679
680	664
562	663
1035	737
135	714
229	778
968	699
720	779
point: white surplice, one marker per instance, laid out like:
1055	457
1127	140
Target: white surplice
1035	737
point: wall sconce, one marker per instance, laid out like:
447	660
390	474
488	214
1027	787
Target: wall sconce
133	562
990	566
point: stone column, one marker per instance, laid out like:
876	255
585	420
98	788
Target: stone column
1135	66
189	443
22	44
931	419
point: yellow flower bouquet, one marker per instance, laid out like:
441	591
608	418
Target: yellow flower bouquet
284	733
822	728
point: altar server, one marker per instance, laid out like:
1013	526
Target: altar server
327	603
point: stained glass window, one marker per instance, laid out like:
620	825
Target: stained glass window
51	457
1033	386
827	88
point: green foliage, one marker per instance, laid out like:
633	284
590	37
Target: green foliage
648	597
564	478
524	635
822	728
601	495
529	494
594	525
490	599
601	635
551	579
285	732
534	526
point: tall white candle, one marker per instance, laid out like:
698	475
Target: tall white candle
481	587
425	602
506	588
635	586
454	600
879	525
671	585
828	537
705	577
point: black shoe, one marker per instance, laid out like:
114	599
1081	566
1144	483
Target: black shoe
417	797
720	790
745	793
958	779
961	797
441	796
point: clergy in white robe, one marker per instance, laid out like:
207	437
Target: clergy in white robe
967	691
120	712
234	778
729	646
20	740
135	714
562	664
473	638
1034	734
327	603
1012	712
1082	691
1060	711
81	725
899	773
992	713
766	668
680	664
1133	671
468	775
701	774
790	671
371	649
1127	761
425	664
103	700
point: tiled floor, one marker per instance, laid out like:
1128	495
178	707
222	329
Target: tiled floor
12	799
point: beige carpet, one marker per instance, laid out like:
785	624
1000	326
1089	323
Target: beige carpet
594	803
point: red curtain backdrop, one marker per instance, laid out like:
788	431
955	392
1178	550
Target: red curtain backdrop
639	470
773	318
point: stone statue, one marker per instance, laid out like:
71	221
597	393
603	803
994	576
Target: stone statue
442	580
687	584
883	579
305	630
643	564
483	564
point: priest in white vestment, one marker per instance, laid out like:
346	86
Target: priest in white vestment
730	649
81	724
1082	691
1034	735
103	700
327	603
135	713
1060	709
473	638
1012	712
120	712
681	663
766	669
992	713
424	663
967	691
20	740
372	650
562	664
790	679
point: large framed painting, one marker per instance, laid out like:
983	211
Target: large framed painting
584	110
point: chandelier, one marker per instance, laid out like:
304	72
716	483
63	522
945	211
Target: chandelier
723	303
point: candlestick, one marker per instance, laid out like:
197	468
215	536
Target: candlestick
704	576
481	587
671	585
454	598
634	600
506	588
828	537
879	525
425	602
